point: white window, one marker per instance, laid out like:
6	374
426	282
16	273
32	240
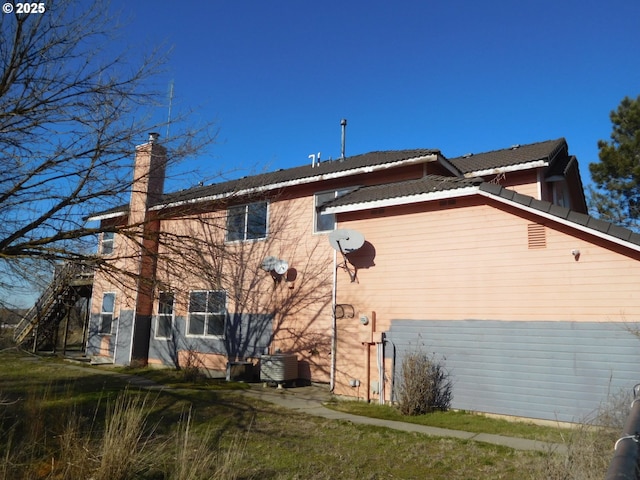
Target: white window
164	320
207	312
326	222
106	246
247	222
106	313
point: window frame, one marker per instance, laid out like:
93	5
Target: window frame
336	192
246	223
163	316
104	313
207	315
107	245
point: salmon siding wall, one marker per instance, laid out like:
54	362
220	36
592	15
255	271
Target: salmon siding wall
472	260
300	304
524	182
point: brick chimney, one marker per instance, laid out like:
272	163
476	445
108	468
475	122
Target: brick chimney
147	187
148	178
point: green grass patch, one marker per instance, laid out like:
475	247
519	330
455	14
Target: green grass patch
180	379
73	422
456	420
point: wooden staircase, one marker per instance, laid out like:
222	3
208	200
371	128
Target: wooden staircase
39	326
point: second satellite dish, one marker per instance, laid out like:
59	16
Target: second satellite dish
269	263
346	240
281	267
276	266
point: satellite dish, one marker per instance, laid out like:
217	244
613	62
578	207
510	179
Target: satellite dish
345	240
281	267
269	263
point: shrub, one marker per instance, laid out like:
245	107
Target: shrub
425	385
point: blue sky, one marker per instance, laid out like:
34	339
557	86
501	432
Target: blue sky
459	76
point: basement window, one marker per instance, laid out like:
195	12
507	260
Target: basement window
247	222
207	313
164	321
106	313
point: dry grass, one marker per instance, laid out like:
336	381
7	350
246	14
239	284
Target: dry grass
589	447
76	424
197	457
70	446
125	438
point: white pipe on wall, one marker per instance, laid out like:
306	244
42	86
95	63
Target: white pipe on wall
332	381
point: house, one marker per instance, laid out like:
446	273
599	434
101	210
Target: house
488	262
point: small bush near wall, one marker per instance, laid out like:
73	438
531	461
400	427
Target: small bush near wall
425	385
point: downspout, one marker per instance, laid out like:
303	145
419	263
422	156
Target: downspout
381	393
334	323
367	360
368	355
393	369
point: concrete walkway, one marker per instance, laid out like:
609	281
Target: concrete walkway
310	400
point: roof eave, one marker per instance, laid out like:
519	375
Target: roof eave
106	216
563	221
449	166
507	168
404	200
472	190
300	181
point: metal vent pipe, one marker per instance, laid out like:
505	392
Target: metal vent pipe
343	123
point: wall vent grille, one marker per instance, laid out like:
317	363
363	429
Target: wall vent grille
536	236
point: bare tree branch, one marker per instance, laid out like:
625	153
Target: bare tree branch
70	114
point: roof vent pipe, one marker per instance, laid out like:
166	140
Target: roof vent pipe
343	122
314	162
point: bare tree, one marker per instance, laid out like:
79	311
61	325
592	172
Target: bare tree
288	310
70	112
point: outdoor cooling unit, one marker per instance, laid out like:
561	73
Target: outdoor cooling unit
278	368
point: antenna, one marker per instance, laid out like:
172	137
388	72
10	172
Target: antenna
343	123
170	104
346	241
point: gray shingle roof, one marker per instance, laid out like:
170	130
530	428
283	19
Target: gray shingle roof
433	183
296	174
518	154
561	167
564	213
500	158
407	188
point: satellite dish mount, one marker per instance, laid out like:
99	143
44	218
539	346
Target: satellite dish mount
346	241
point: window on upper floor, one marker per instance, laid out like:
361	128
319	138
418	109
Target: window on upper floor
207	313
325	222
106	313
561	194
164	320
247	222
107	242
